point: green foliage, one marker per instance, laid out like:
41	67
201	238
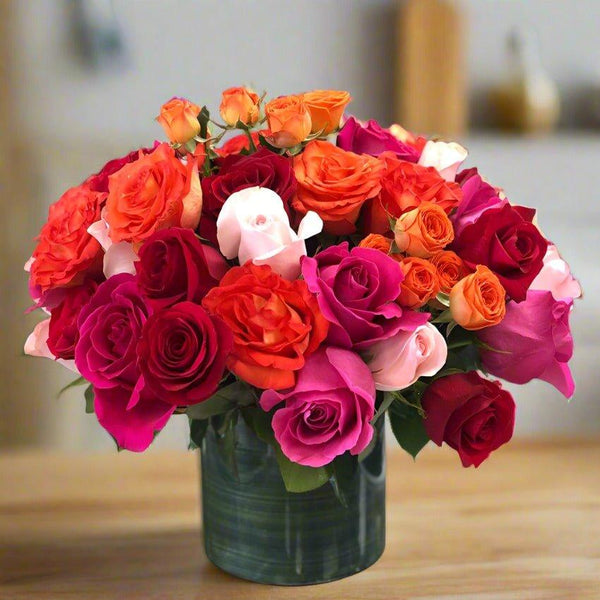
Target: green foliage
198	428
203	119
343	471
225	399
89	399
76	382
408	426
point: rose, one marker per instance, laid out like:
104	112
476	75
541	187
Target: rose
556	277
110	327
36	344
239	104
261	169
238	143
505	240
373	139
444	157
471	414
182	353
356	290
63	333
477	197
253	225
335	184
450	269
377	242
405	186
326	108
478	300
276	324
417	350
66	253
423	231
154	192
329	410
415	141
533	341
289	121
174	266
179	118
420	283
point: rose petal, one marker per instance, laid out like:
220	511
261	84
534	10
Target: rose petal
119	258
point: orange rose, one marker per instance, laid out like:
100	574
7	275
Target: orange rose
335	184
154	192
377	242
239	104
66	252
276	324
423	231
450	269
478	300
179	118
420	283
289	121
404	186
326	108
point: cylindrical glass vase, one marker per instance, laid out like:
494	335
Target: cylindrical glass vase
256	530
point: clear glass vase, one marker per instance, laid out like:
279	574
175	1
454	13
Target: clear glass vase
256	530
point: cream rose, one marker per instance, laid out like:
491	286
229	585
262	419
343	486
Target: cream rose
444	157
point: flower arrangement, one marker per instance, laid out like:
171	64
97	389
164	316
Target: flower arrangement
307	275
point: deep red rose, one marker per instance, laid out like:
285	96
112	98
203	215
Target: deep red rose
174	266
237	172
63	330
471	414
182	353
505	240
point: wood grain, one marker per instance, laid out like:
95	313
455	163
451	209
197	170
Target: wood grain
525	525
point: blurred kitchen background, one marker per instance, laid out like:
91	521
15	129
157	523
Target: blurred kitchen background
516	81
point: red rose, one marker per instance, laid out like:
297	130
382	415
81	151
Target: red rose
63	330
182	353
174	266
237	172
471	414
505	240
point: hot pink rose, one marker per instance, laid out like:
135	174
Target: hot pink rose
533	341
329	410
556	277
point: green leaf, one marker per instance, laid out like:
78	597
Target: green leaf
370	445
443	299
203	119
79	381
198	429
388	398
225	399
343	470
89	399
408	428
300	478
444	317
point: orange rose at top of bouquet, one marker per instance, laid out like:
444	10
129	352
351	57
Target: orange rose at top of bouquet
420	283
335	183
65	251
276	324
326	108
179	118
404	186
289	121
239	104
450	269
154	192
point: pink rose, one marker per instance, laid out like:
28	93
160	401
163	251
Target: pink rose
444	157
556	277
533	341
412	353
329	410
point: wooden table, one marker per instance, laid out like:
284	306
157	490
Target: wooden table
525	525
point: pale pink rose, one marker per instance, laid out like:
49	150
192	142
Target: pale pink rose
556	277
118	257
253	225
444	157
400	360
37	345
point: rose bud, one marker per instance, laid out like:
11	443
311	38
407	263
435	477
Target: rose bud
450	269
239	104
420	283
478	300
377	242
179	118
326	108
423	231
289	121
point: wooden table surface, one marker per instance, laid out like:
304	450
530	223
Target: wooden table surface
525	525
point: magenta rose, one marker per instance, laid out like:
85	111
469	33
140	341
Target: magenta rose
356	290
63	330
533	341
174	266
182	353
373	139
478	196
110	327
238	172
505	240
471	414
328	412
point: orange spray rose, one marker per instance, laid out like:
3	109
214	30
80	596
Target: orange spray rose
239	104
179	118
420	283
450	269
289	121
326	108
377	242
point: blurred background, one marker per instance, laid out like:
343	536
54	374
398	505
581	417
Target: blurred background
516	81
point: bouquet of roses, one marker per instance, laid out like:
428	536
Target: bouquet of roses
308	275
